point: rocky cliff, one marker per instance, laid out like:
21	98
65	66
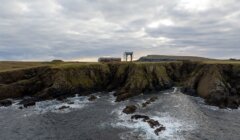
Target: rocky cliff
219	84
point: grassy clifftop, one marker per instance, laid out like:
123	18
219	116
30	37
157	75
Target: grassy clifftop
157	58
217	82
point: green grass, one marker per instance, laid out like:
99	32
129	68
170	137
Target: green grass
15	65
9	66
221	62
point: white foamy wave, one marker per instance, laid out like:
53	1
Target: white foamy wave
55	106
141	130
112	98
215	108
202	103
173	91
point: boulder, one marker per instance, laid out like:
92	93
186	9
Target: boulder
152	123
92	98
28	102
149	101
5	103
124	96
153	99
129	109
143	117
160	129
144	104
20	107
63	107
222	100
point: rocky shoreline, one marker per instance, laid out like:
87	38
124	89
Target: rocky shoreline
218	84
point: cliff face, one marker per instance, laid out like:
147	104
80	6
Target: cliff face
218	84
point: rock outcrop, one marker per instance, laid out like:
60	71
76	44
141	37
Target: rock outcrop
92	98
129	109
149	101
217	84
143	117
5	103
154	124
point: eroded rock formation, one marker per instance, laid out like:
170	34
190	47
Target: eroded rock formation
218	84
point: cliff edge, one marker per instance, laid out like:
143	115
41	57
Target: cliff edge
218	84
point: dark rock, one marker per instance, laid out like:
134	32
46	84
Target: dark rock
20	107
152	123
5	103
153	99
136	117
30	103
129	109
123	96
233	91
189	91
233	102
223	100
61	98
63	107
149	101
160	129
92	98
144	104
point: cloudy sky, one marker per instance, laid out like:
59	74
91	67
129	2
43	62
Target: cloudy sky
86	29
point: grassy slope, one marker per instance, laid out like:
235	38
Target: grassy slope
9	66
18	65
193	58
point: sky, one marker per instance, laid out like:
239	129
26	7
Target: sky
83	30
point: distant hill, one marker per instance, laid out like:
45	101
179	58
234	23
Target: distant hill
158	58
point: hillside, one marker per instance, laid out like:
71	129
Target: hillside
158	58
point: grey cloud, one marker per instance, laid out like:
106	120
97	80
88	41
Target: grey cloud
70	29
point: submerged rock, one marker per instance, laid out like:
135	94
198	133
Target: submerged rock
92	98
143	117
160	129
5	103
149	101
63	107
28	102
152	123
129	109
20	107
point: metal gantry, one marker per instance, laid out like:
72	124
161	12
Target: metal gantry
128	54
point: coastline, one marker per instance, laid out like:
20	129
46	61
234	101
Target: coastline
217	83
